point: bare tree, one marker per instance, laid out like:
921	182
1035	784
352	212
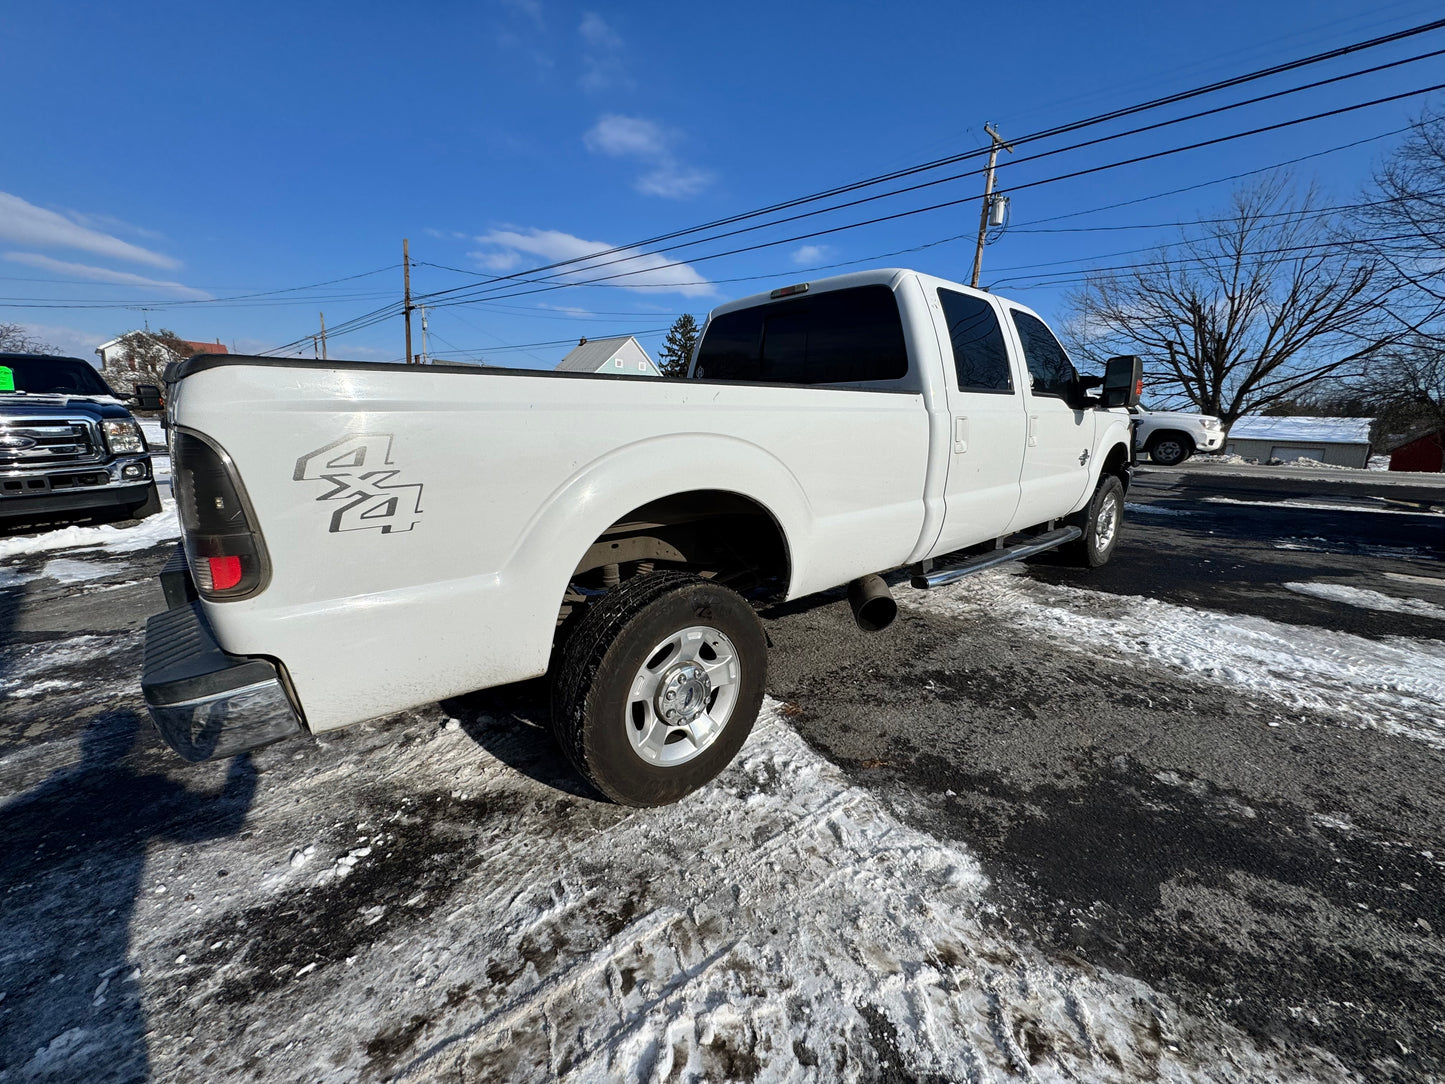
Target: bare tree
142	358
14	339
1247	309
1402	222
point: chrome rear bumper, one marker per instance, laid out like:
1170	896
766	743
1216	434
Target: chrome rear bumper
205	703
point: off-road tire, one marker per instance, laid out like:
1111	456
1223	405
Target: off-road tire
1093	550
594	670
1170	449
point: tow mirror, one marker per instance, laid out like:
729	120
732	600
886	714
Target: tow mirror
148	397
1123	381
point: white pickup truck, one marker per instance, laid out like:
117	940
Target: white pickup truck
1171	436
362	538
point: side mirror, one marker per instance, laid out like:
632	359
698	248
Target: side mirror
148	397
1123	381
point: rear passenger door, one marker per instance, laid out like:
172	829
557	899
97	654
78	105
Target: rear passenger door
1060	438
987	420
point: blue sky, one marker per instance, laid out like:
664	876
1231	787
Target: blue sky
162	159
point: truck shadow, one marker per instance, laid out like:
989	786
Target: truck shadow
514	724
72	860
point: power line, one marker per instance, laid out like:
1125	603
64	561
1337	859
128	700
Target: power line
491	283
967	199
952	159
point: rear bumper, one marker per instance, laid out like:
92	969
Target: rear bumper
206	703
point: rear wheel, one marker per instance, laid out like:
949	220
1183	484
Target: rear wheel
658	686
1169	449
1102	521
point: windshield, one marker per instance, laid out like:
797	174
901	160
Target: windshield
50	376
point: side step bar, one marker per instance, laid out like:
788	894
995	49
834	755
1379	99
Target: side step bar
925	576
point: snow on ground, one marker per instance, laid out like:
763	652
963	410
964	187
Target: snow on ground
31	671
1157	509
1395	685
152	531
429	913
1370	600
1322	506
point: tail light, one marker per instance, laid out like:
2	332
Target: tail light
223	546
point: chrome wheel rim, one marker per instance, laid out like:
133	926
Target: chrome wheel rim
1168	450
1106	525
682	696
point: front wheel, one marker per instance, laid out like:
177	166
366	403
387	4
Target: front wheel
658	686
1169	450
1102	521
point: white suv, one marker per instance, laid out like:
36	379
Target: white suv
1171	437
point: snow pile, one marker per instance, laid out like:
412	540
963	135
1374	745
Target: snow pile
780	925
1395	685
1367	599
164	526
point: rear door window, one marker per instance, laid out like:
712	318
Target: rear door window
1050	370
980	357
841	337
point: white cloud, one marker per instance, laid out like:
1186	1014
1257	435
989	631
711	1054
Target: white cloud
530	9
810	254
673	181
21	222
619	136
603	64
101	274
643	271
623	137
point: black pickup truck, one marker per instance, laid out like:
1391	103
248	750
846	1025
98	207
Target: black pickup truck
69	448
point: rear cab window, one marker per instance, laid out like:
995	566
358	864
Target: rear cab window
850	336
980	356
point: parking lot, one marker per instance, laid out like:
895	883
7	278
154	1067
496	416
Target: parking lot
1177	818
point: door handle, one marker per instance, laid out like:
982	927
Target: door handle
960	435
1033	430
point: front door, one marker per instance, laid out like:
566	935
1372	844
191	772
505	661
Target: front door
1060	437
987	418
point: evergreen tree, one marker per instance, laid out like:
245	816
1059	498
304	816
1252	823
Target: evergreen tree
678	347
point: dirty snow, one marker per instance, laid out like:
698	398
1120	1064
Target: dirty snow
159	528
1157	509
27	663
473	924
1370	600
1395	685
1321	506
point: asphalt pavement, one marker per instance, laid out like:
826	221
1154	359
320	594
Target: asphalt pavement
1273	864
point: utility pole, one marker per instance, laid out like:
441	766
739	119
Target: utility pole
987	199
406	285
423	335
323	337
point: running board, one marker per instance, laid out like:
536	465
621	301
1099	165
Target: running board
924	578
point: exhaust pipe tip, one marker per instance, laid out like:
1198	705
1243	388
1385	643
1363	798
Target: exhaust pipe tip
872	603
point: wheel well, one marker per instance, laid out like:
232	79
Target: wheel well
1117	463
721	535
1178	434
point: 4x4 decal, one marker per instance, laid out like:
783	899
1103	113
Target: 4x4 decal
360	472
